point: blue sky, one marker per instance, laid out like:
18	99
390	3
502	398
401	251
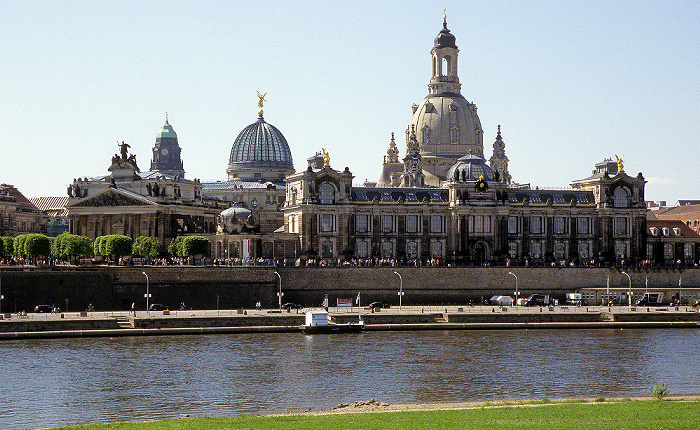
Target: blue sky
571	83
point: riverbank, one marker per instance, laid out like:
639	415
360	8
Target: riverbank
413	318
677	413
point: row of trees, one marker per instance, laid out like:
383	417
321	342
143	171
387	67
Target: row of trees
71	246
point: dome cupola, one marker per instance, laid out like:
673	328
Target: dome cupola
260	152
445	39
470	168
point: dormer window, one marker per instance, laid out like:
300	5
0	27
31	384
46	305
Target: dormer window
621	198
677	231
327	194
664	231
654	231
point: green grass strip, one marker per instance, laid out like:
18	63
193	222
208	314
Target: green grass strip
548	415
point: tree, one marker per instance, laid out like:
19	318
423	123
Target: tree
146	246
175	247
18	244
6	246
195	245
68	245
37	245
118	245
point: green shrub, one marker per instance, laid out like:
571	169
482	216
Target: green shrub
145	246
659	391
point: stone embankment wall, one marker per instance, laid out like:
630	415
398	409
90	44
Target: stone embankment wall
115	288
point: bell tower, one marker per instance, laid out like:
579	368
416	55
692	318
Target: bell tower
166	152
444	78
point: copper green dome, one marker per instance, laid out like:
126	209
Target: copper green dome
260	146
166	131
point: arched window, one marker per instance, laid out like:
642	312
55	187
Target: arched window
426	134
327	194
436	249
621	198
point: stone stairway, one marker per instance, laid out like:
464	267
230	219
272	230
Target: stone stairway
441	318
124	322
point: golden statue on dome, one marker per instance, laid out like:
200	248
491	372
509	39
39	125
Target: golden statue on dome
261	99
620	165
326	158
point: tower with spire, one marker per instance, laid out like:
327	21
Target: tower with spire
166	152
499	161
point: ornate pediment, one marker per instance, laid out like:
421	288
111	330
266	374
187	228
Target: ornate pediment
112	197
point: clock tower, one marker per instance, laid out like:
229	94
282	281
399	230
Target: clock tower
166	152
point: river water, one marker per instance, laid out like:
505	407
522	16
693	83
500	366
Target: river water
67	381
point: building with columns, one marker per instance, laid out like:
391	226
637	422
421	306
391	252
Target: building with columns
444	201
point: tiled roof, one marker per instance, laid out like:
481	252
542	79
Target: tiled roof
409	195
23	203
679	210
558	197
659	225
244	185
53	206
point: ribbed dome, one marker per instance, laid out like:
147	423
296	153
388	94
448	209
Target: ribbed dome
470	168
445	39
260	145
166	131
235	212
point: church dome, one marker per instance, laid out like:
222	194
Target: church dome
166	131
470	168
445	39
235	212
260	146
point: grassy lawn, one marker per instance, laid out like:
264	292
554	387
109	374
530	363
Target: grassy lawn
533	415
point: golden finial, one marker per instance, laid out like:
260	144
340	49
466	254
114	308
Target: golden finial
261	99
620	165
444	14
166	117
326	158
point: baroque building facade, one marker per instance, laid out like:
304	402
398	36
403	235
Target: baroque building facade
444	201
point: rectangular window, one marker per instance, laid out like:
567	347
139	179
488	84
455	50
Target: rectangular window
584	250
620	225
513	249
412	224
387	223
327	249
437	224
536	225
412	249
688	251
362	249
583	226
361	223
559	225
621	249
536	250
512	225
650	251
559	250
327	222
387	249
668	251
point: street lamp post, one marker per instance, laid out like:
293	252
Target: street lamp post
147	295
516	288
400	287
279	293
630	288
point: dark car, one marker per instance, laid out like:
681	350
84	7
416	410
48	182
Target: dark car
289	306
378	305
158	307
44	309
536	300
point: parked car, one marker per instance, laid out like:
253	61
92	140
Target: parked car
378	305
44	309
501	300
289	306
537	300
158	307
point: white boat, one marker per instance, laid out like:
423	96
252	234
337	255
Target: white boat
319	322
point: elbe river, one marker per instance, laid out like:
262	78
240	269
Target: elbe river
67	381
